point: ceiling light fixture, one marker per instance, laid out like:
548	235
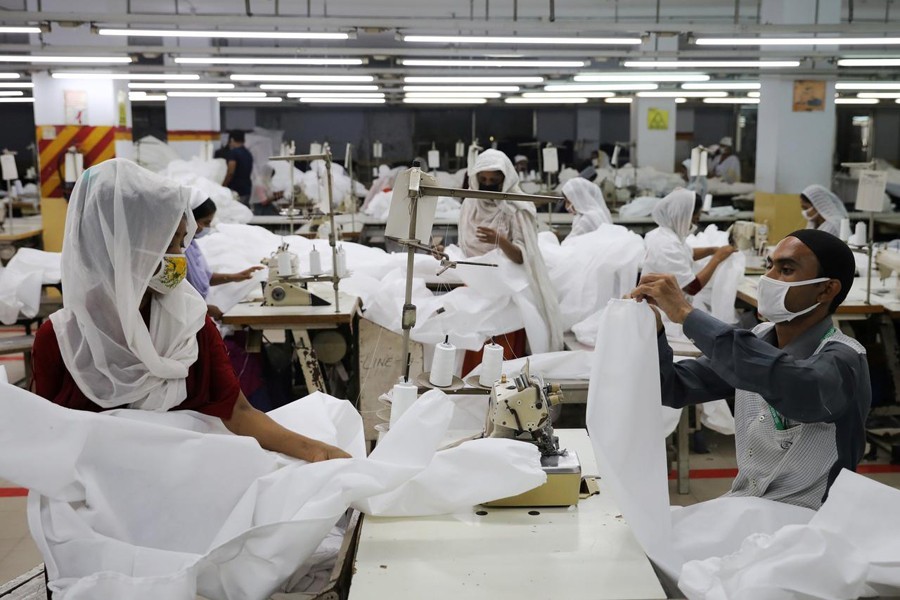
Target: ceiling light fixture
867	85
722	85
473	80
639	77
125	76
37	58
568	95
807	41
548	64
603	87
452	94
683	94
869	62
619	100
444	100
856	100
460	88
878	95
22	86
710	64
20	29
180	86
553	100
334	100
188	33
317	88
16	100
264	60
248	99
333	95
305	78
216	94
515	40
737	100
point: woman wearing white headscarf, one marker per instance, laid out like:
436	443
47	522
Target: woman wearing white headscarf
133	333
585	200
667	251
822	209
512	227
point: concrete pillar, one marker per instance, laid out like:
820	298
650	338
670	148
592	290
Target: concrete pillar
794	148
653	133
192	125
93	115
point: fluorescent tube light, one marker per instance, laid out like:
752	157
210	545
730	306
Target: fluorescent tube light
306	78
619	100
180	86
460	88
807	41
215	94
20	30
248	99
189	33
444	100
16	100
722	85
554	100
709	64
267	60
639	77
603	87
474	80
731	100
40	58
452	95
287	87
125	76
342	100
568	95
549	64
479	39
24	85
856	100
334	95
867	85
682	94
869	62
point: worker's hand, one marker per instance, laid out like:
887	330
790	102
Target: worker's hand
723	252
663	291
214	312
245	274
322	451
488	235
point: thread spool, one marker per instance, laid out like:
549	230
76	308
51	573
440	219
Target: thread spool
403	396
859	236
341	267
491	364
695	162
704	162
284	264
442	364
844	234
315	262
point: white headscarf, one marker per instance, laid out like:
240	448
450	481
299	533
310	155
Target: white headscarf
486	213
120	222
675	212
829	206
590	206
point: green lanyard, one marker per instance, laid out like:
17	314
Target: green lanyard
779	420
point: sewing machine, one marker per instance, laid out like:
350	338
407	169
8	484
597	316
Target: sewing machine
747	235
285	286
520	409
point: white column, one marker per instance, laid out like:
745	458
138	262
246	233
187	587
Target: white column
653	132
192	125
794	148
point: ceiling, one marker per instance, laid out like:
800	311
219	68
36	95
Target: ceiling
657	29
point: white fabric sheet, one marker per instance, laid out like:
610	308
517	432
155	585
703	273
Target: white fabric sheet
143	505
21	281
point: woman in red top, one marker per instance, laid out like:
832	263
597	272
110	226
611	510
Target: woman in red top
133	333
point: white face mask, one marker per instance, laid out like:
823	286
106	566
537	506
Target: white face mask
171	272
809	214
772	293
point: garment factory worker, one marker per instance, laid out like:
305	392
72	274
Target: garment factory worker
667	251
132	333
240	167
511	226
199	274
801	387
822	209
585	200
728	165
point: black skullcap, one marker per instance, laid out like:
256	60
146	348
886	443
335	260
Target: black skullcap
835	259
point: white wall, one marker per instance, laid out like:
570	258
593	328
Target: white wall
102	106
655	147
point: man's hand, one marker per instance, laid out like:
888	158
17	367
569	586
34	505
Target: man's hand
488	235
663	291
322	451
214	312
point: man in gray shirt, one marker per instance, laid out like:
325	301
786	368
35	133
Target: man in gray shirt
801	387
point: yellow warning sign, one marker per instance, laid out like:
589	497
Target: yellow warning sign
657	118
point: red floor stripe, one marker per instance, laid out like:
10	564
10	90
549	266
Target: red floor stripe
878	469
13	492
12	358
732	473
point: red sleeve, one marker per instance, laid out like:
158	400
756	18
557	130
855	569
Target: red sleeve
48	368
693	288
224	386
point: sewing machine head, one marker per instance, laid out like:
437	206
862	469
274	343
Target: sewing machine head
520	409
284	286
747	235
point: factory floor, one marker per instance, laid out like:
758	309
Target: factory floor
711	476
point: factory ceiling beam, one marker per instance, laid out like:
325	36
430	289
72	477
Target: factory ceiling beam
522	26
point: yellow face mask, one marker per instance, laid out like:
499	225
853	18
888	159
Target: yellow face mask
171	272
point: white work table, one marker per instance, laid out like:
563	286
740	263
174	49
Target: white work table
586	551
